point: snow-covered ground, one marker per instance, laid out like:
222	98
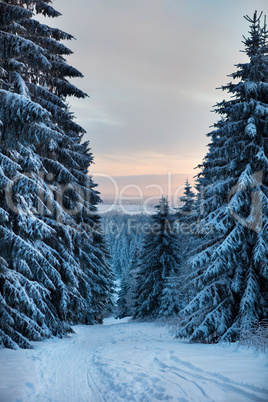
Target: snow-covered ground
131	361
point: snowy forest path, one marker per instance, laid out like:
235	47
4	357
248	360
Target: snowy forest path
124	360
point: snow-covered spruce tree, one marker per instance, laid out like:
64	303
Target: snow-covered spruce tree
47	217
172	299
126	299
187	221
159	259
103	285
230	270
188	200
123	307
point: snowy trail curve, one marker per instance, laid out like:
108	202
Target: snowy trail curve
131	361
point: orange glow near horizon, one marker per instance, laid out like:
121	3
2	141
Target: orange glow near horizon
144	175
154	164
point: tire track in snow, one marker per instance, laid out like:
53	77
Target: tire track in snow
220	377
225	384
129	361
162	373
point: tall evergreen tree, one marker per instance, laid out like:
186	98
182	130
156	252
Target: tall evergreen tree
123	307
187	223
159	259
188	200
186	220
126	297
49	241
172	300
230	269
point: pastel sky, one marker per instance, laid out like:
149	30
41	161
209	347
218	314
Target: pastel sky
151	68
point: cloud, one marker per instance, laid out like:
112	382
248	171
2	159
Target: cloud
151	68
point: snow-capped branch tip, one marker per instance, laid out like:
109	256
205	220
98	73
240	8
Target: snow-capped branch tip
46	10
255	19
